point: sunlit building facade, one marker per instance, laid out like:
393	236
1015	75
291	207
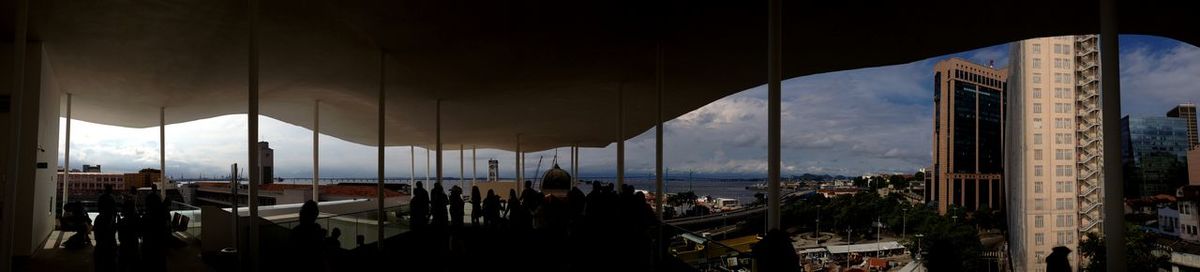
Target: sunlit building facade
1042	157
968	139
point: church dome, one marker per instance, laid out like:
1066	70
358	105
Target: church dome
556	180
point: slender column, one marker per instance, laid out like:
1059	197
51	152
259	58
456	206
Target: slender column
517	161
620	137
462	166
574	174
774	76
382	218
252	138
1110	101
438	134
162	152
427	165
412	171
658	134
521	181
474	170
67	158
316	190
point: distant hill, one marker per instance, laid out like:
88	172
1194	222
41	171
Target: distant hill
822	177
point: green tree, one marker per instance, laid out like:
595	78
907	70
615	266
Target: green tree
984	218
759	199
684	200
1093	249
1139	251
898	182
860	182
950	246
919	176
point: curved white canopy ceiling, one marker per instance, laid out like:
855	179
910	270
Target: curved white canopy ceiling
547	70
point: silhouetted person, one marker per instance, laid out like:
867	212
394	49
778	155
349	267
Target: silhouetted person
128	234
105	252
1057	260
77	220
419	208
306	240
437	207
576	201
511	203
154	233
491	209
519	217
775	253
530	198
456	207
132	195
334	242
476	206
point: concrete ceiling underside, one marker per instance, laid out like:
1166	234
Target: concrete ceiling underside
549	71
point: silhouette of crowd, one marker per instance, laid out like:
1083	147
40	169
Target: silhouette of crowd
126	240
604	230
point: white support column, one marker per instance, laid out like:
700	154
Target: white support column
572	166
67	159
412	168
1110	103
251	255
658	133
517	161
162	152
438	134
428	169
316	189
774	78
462	177
382	218
474	165
620	138
577	155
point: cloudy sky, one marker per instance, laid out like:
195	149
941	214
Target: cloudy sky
873	120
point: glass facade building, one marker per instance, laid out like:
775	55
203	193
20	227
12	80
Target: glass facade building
1154	155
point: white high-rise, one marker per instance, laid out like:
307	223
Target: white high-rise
1053	149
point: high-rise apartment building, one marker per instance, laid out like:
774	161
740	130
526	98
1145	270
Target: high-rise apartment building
1054	149
968	139
1153	154
1187	111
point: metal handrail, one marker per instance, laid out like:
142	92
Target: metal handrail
391	208
1091	225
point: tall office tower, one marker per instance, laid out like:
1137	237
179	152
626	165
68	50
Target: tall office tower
1089	144
1154	154
968	140
1048	111
1187	111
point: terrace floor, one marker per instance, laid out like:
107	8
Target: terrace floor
53	257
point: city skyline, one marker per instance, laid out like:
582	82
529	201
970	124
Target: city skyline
832	125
